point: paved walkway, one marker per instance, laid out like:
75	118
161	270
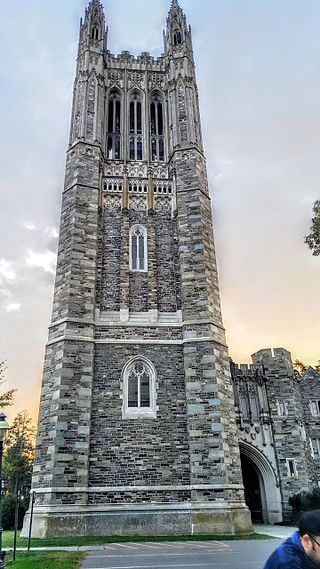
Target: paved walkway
281	532
181	555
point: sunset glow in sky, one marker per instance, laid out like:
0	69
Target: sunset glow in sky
258	67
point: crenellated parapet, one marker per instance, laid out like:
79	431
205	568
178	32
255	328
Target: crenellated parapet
127	60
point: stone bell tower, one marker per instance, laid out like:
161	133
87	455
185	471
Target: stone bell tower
137	430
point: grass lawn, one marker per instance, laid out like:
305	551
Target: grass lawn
77	541
46	560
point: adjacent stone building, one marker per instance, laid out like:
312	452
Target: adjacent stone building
278	417
140	419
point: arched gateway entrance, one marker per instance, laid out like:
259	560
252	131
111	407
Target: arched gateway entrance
262	494
252	489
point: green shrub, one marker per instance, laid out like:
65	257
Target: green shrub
8	510
305	501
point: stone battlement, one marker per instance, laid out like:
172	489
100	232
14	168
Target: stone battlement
252	370
127	59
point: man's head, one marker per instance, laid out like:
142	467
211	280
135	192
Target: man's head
309	530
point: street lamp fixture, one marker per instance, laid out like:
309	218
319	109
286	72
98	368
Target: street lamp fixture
4	428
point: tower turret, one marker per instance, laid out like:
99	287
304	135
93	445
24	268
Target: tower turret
184	117
88	100
178	35
93	31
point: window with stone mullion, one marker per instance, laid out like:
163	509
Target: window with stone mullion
135	130
134	252
138	255
138	249
315	407
114	128
315	447
139	390
156	131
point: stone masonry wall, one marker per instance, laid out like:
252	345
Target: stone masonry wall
214	450
165	253
64	422
145	451
310	391
166	263
290	441
111	257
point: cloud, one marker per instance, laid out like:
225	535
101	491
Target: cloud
29	225
5	293
6	271
13	307
52	232
45	260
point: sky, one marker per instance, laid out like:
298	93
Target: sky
258	68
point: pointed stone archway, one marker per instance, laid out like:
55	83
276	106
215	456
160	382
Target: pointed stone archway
261	491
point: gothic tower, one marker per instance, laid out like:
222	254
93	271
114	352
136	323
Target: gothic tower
137	430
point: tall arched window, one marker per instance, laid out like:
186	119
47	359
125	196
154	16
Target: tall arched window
156	128
95	33
138	248
177	37
139	388
135	127
114	126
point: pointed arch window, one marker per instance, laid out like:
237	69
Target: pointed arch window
139	388
177	37
156	128
244	407
135	127
138	248
95	33
114	126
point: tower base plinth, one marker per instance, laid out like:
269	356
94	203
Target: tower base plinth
178	519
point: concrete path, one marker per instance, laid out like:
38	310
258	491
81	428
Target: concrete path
281	532
181	555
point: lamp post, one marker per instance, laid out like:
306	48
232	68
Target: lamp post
4	428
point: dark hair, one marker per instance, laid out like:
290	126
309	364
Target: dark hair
310	523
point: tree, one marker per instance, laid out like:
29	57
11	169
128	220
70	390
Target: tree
17	469
313	239
6	399
18	456
299	367
318	366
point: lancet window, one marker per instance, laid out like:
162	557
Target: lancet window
315	448
156	129
135	127
139	388
315	407
95	33
138	248
244	407
282	407
114	126
292	468
254	406
177	37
